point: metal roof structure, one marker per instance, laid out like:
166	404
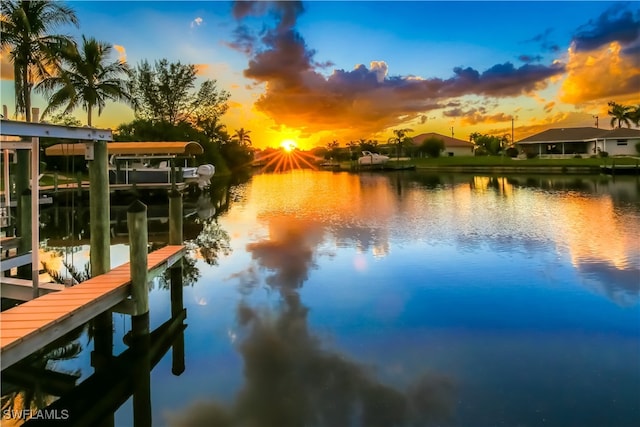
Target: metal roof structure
170	148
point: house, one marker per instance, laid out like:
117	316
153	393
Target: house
452	146
584	141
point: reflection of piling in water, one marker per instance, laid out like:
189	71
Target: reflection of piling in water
116	379
101	394
103	352
177	361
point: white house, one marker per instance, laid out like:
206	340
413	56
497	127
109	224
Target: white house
584	141
452	146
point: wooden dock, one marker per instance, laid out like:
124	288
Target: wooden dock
30	326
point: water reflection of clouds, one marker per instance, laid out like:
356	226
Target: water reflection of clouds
621	285
288	251
291	379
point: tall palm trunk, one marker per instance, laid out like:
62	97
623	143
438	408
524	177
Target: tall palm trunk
22	182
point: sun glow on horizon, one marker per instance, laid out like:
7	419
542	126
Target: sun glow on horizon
288	145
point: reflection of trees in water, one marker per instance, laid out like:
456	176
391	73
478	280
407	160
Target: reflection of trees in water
212	242
73	274
290	378
31	385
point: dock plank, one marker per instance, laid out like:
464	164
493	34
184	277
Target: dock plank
36	323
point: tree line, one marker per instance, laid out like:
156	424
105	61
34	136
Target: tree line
70	74
400	144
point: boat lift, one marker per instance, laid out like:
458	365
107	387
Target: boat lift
35	131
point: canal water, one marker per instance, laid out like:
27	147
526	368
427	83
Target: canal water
319	298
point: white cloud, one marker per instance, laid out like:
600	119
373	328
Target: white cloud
196	22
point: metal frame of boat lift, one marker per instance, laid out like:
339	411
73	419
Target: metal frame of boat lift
35	131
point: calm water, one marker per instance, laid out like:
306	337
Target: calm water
334	299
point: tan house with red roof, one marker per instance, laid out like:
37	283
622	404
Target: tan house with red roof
585	141
452	146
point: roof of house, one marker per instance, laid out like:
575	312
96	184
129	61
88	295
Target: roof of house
579	135
563	134
621	133
132	148
449	142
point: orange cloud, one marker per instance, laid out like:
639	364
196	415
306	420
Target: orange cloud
561	119
300	94
549	106
201	69
604	73
122	53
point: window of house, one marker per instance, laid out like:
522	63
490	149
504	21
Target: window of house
621	142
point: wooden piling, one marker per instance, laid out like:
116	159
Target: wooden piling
79	184
99	210
138	242
22	183
24	221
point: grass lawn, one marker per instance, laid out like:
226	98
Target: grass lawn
48	179
507	161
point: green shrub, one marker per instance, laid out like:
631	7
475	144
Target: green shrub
638	147
532	155
512	152
577	156
603	154
432	147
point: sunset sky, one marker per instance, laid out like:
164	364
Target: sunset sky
320	71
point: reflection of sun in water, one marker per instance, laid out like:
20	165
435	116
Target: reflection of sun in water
288	145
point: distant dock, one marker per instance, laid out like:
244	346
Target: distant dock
614	169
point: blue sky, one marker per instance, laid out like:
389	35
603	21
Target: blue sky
317	71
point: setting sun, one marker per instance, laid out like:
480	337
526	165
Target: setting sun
288	144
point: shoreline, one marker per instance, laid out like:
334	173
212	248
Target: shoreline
601	168
578	170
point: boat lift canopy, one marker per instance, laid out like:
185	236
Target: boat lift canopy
157	149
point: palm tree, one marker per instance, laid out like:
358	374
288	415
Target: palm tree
86	79
635	115
25	35
399	139
242	136
621	113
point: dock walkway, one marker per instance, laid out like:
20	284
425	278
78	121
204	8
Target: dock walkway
28	327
